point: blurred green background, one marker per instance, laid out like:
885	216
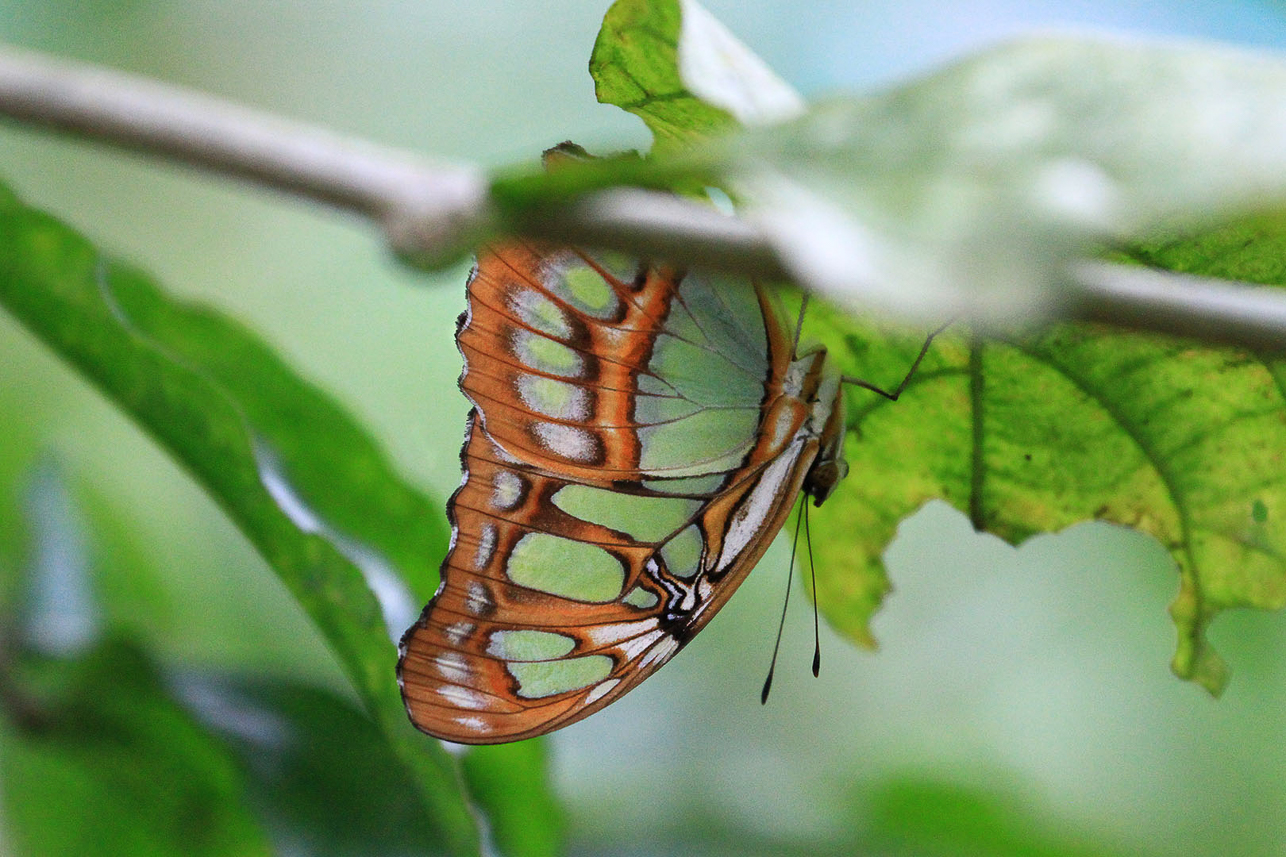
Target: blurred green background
1020	703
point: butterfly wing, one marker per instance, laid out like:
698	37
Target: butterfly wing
637	439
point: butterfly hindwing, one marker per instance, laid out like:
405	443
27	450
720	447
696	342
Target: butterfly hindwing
637	439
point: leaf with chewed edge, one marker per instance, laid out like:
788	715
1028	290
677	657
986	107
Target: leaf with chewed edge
1032	434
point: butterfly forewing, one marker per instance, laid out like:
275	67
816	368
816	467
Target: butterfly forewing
637	439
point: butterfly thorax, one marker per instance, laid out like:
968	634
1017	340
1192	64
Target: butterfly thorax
819	385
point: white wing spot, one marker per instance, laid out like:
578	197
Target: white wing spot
508	490
749	520
600	690
570	442
452	666
633	648
608	635
486	547
477	724
477	601
458	632
661	652
462	697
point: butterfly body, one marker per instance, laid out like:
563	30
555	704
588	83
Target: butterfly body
637	439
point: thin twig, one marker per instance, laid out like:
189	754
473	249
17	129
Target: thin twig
428	210
660	226
1218	311
421	205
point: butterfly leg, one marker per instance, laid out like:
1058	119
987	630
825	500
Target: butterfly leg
897	391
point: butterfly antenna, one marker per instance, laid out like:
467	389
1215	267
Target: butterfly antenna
817	634
790	578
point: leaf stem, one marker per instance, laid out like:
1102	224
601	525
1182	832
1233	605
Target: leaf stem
428	210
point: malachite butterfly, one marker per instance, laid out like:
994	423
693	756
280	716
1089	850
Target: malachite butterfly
638	436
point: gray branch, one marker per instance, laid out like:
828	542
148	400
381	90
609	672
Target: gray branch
1219	311
422	206
428	209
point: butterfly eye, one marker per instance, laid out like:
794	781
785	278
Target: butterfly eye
635	446
823	479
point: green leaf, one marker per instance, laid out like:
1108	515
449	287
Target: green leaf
304	484
16	455
1033	434
1250	249
1169	437
300	435
109	763
319	772
126	575
677	68
508	782
972	189
932	819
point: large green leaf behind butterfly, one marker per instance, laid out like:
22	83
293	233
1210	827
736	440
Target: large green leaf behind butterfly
638	437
